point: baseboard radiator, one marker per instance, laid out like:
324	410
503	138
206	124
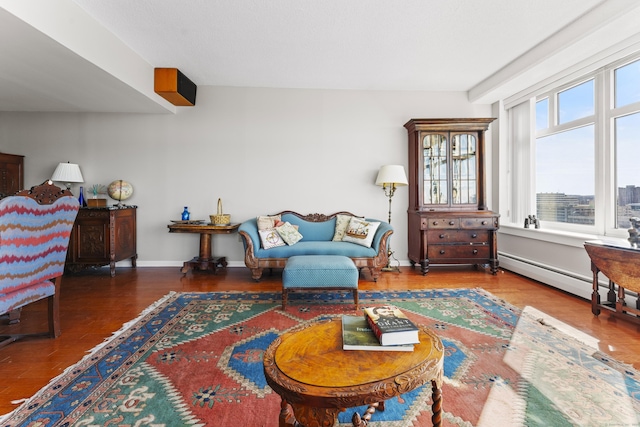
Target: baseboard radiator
561	279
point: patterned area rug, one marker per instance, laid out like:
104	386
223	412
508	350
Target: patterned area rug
195	359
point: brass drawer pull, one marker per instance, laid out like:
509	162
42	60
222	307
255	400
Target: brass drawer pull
452	223
485	222
442	236
441	251
474	235
475	252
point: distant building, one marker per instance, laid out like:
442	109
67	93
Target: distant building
579	209
560	207
628	195
628	204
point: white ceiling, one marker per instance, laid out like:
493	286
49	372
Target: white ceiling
430	45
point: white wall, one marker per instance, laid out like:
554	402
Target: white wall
259	150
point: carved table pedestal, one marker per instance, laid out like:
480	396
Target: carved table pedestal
204	260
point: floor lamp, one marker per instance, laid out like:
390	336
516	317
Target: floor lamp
389	178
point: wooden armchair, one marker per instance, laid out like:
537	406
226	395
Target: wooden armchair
35	226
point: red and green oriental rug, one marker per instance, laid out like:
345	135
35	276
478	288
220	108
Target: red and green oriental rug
195	359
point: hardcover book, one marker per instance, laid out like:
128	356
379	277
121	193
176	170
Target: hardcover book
391	326
357	335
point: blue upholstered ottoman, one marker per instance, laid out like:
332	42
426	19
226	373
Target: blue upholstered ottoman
316	272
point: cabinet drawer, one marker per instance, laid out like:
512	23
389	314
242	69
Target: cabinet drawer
458	251
482	223
457	236
440	223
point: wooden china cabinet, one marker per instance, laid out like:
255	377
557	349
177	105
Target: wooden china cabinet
449	222
11	174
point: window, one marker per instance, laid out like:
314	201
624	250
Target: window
565	177
576	103
627	84
565	155
542	114
626	135
577	168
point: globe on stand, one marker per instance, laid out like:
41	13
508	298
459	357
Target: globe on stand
120	190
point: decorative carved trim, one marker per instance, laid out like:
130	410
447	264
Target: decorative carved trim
316	217
45	193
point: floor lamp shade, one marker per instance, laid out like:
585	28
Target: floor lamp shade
392	175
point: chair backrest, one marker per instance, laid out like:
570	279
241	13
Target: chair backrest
35	226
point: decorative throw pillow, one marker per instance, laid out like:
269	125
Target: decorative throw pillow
270	238
279	223
360	232
289	234
342	222
267	222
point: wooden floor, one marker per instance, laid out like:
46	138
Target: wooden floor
93	305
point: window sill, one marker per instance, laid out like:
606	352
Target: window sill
559	237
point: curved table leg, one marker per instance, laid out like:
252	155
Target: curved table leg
436	407
595	295
287	419
363	421
311	416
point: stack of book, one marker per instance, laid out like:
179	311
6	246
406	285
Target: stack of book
380	329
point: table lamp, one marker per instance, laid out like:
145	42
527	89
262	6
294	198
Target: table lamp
389	178
67	173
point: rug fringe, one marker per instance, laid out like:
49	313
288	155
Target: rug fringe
91	352
128	324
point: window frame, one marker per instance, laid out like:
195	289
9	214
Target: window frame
522	180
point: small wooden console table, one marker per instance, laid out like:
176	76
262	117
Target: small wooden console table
103	236
621	264
204	261
317	379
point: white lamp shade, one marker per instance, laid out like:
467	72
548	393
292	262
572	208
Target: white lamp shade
392	174
67	173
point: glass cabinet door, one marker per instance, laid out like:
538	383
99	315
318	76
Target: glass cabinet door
436	170
463	167
450	175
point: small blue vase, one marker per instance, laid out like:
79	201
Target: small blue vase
81	200
185	214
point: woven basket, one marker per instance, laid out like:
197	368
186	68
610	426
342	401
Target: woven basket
220	219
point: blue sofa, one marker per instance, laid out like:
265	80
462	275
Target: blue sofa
317	231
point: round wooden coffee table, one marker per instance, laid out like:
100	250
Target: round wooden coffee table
317	379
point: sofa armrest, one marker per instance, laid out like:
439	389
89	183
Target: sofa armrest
249	229
382	235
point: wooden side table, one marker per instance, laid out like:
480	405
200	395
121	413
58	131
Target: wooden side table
317	379
204	260
621	264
